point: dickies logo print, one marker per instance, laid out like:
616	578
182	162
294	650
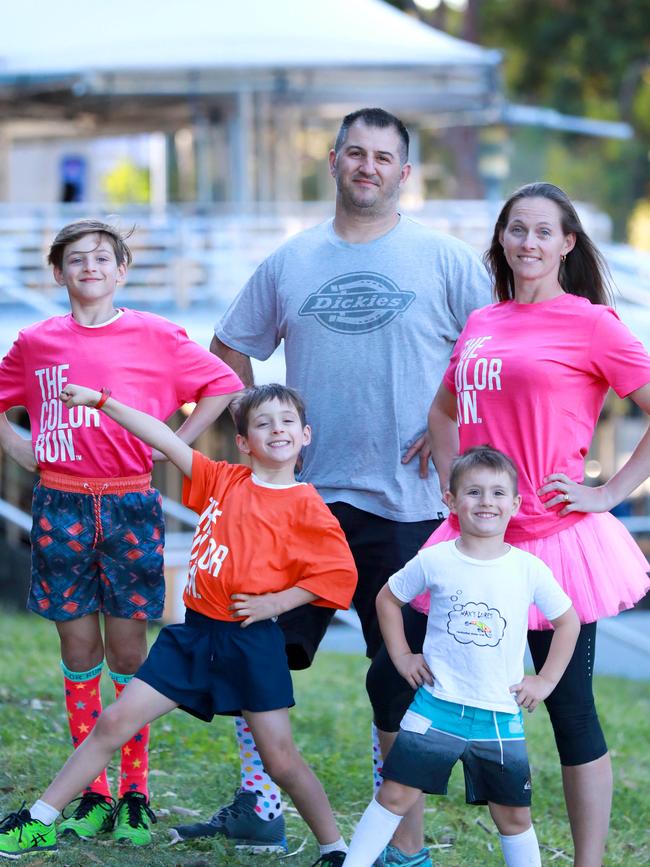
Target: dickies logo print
357	303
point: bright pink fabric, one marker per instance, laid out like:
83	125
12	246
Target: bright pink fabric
148	363
596	562
530	380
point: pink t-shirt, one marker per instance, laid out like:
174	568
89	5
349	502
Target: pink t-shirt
148	362
530	380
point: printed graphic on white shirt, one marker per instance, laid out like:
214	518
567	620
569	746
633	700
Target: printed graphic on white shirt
474	374
475	623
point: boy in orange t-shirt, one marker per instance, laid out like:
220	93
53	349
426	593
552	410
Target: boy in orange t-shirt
264	545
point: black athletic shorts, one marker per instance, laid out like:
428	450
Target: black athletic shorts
380	548
390	695
304	628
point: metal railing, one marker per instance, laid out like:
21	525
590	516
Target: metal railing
185	256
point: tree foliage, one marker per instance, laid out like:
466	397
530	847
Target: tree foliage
581	57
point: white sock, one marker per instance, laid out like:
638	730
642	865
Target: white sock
521	850
371	836
377	761
43	812
253	776
336	846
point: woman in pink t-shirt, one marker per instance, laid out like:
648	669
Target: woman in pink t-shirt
528	376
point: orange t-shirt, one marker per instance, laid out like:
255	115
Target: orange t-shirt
255	539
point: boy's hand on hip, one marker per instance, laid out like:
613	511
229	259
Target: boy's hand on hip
255	608
414	669
532	689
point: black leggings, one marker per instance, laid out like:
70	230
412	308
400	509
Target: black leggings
571	707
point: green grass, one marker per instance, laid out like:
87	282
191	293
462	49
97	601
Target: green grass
195	766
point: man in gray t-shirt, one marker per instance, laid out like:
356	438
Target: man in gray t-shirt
369	306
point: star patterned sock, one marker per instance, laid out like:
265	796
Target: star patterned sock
253	776
83	702
134	764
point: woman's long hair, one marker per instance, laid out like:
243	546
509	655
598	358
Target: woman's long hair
584	271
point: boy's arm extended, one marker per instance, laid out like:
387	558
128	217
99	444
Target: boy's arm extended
16	446
150	430
536	687
206	411
268	605
412	666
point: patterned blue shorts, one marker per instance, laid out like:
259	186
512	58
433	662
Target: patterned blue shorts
97	552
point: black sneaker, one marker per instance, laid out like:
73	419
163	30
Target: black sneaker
239	823
332	859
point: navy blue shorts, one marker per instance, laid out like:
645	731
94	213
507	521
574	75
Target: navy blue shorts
216	667
76	572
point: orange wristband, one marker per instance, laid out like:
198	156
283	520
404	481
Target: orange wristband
106	393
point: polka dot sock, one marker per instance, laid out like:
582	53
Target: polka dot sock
253	776
377	761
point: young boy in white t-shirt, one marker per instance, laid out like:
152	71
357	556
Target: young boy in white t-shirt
470	675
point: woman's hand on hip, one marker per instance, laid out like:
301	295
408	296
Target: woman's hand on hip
573	496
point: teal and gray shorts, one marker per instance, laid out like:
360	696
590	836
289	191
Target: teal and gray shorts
435	734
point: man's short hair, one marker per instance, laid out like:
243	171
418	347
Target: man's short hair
256	395
79	229
374	117
485	457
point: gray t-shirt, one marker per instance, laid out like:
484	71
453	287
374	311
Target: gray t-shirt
368	331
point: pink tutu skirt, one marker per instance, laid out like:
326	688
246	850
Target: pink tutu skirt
596	562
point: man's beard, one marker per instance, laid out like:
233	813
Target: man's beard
375	204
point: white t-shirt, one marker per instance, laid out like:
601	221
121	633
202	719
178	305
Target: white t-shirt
478	620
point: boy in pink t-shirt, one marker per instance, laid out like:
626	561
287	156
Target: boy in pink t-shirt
98	533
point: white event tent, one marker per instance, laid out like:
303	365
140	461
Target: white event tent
242	79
